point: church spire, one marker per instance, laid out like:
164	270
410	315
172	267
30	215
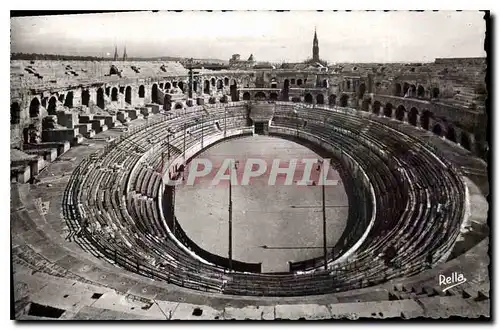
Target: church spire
124	53
115	57
315	46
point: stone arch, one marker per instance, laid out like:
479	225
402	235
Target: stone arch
450	134
51	108
212	81
161	85
465	141
388	110
100	98
274	84
233	91
308	98
376	107
332	99
154	93
212	100
108	91
413	116
181	86
35	108
206	87
320	99
15	113
365	105
223	99
246	96
425	119
178	105
114	94
400	112
437	130
128	95
168	85
174	84
361	90
142	91
435	93
260	96
220	84
325	83
85	97
292	81
61	98
68	102
406	87
413	90
396	91
167	102
299	82
226	81
273	96
420	91
344	100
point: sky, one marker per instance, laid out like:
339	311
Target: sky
356	36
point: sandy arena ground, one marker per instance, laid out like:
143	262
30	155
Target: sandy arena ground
271	224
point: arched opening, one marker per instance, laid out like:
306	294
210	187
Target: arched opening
400	113
15	113
226	81
344	99
181	86
397	89
420	91
246	96
174	84
61	98
424	119
274	85
286	90
332	99
85	97
320	99
376	107
413	91
128	95
167	103
114	94
412	118
465	141
220	85
206	88
178	106
195	86
435	93
260	96
388	110
406	87
437	130
212	81
273	96
450	134
51	108
100	98
68	102
154	94
223	99
299	82
365	105
308	98
292	81
141	91
361	91
108	91
325	83
161	85
212	100
168	85
233	90
34	108
348	85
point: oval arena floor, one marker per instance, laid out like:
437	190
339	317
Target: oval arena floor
272	224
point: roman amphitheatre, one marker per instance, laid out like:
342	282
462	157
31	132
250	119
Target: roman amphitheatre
97	234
